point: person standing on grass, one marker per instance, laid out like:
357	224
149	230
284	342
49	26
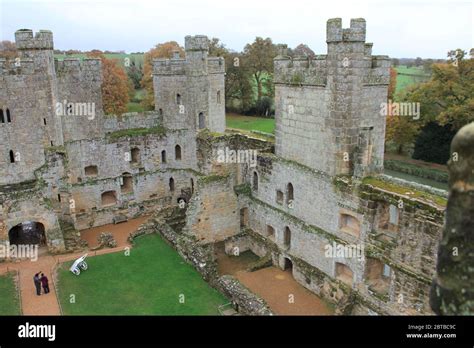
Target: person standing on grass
45	283
37	281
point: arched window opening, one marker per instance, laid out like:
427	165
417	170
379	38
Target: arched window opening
12	157
2	117
287	238
270	232
171	184
9	119
289	195
177	152
163	156
178	99
202	121
218	97
255	181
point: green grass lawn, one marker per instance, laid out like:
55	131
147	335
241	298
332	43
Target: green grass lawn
409	76
9	302
261	124
135	105
148	282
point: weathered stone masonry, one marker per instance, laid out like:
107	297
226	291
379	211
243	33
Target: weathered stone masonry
319	187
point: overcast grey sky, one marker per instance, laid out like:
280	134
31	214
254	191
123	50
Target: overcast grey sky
400	28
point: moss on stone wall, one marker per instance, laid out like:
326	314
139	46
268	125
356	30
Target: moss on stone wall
136	132
408	192
212	178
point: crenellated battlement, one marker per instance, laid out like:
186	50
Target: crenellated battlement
215	65
174	66
346	49
332	102
77	65
16	67
196	43
379	72
301	70
26	40
335	32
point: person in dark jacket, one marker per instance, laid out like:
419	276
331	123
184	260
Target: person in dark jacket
37	281
45	283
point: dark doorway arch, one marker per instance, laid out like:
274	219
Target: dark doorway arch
28	232
287	264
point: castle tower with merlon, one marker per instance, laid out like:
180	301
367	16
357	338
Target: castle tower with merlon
328	107
27	91
189	92
38	47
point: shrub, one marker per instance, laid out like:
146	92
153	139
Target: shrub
433	143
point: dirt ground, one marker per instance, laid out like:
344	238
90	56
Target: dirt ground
273	285
120	231
282	293
232	264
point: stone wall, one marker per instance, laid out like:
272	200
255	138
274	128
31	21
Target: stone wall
405	249
186	90
213	214
332	103
79	82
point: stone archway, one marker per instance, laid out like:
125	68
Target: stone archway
28	232
31	211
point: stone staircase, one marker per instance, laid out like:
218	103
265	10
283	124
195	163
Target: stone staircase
72	237
175	217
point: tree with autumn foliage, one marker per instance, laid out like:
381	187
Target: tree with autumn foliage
448	97
400	130
447	104
115	85
258	57
8	50
164	50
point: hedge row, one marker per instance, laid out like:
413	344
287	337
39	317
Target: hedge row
421	172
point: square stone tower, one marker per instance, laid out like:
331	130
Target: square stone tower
328	107
189	92
28	123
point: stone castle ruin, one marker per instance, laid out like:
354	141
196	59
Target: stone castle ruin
316	192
